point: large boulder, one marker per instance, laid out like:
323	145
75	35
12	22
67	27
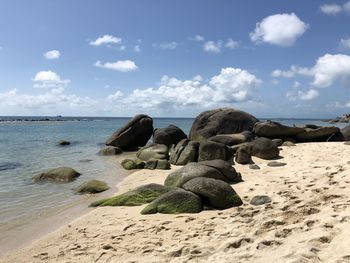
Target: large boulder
110	150
209	150
346	133
91	187
175	202
138	196
169	135
135	133
221	121
60	174
153	164
153	151
233	139
184	152
317	135
243	156
274	130
263	148
214	193
216	169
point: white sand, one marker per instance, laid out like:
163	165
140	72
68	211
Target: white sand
308	220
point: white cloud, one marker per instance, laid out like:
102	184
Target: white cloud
48	79
345	43
169	45
52	54
346	6
121	65
106	39
137	49
280	29
331	9
302	95
197	38
212	47
117	95
231	43
294	70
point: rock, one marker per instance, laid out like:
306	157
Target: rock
347	143
135	133
233	139
214	193
91	187
85	161
261	147
277	142
254	166
9	166
276	164
175	202
157	164
110	150
346	133
169	135
63	143
130	164
60	174
216	169
153	151
209	150
184	152
260	200
243	156
316	135
221	121
273	130
141	195
288	143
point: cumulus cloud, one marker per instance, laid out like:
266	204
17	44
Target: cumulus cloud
197	38
345	43
302	95
121	65
231	44
52	54
331	9
137	49
280	29
106	39
168	45
212	46
115	96
48	79
346	6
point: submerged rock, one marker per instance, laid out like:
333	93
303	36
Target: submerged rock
91	187
60	174
135	133
175	202
63	143
110	150
169	135
9	166
138	196
129	164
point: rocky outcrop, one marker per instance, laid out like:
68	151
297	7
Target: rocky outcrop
110	150
135	133
263	148
275	130
91	187
346	133
130	164
184	152
221	121
60	174
209	150
233	139
175	202
317	135
153	151
170	135
214	193
153	164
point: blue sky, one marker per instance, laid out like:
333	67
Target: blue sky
174	58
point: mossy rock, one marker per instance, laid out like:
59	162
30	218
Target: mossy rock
175	202
91	187
141	195
60	174
110	150
157	164
130	164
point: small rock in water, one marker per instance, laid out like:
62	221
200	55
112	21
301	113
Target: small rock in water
276	164
60	174
92	187
254	166
260	200
63	143
110	150
9	166
85	160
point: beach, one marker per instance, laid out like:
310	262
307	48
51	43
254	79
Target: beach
307	220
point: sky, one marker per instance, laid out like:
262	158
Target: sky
167	58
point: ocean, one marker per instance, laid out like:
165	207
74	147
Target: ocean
29	146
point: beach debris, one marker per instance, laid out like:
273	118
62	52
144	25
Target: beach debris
153	151
91	187
184	152
260	200
138	196
130	164
175	202
221	121
60	174
110	150
170	135
135	133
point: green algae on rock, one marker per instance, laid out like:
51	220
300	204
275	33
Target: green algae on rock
91	187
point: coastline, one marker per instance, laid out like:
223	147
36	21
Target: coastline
307	219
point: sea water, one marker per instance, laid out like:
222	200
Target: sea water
29	147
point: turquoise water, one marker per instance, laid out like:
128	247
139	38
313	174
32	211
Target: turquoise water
28	148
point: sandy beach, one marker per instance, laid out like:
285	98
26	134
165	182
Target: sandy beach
307	221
